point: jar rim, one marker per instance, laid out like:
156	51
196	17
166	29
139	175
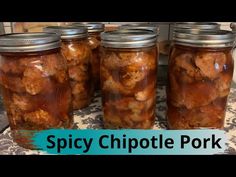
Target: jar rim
68	32
151	27
129	38
29	42
91	26
197	25
219	38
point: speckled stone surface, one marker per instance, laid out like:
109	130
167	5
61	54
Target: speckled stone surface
91	118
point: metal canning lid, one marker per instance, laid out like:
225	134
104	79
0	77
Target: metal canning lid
145	26
91	26
233	26
129	38
194	31
220	38
68	32
29	42
196	26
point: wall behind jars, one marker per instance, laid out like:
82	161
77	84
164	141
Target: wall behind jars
7	27
166	28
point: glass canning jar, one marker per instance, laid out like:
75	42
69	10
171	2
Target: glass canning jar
94	40
35	84
233	27
78	54
200	73
128	78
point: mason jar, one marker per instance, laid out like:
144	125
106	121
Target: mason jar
94	40
35	84
200	74
233	27
128	78
78	54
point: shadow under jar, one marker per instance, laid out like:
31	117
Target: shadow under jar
78	54
35	84
94	40
200	74
128	78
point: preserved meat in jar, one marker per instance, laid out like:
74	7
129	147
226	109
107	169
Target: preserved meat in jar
128	78
94	40
78	54
200	74
35	84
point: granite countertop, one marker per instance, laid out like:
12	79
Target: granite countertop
91	118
